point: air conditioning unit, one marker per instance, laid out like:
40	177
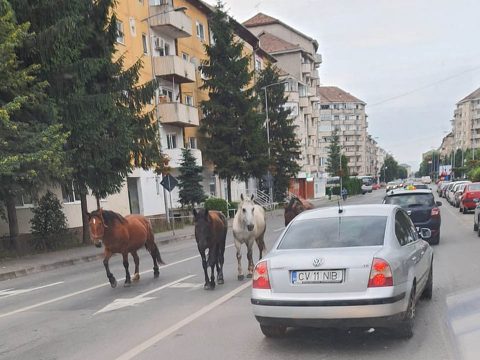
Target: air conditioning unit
159	43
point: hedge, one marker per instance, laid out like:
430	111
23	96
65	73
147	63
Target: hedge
218	204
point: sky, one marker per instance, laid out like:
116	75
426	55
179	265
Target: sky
411	61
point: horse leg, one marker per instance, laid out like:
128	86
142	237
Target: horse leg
111	278
136	259
206	286
220	261
238	245
212	261
250	259
128	281
155	255
261	246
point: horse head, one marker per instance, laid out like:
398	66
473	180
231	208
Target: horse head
97	226
202	226
247	209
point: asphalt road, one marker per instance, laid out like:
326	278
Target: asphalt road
73	313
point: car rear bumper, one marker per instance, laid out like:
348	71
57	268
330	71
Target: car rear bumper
291	313
470	205
433	225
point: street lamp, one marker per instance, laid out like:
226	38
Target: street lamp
267	122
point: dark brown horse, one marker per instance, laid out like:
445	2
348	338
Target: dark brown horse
210	233
295	207
123	235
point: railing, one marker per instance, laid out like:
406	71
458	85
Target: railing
262	198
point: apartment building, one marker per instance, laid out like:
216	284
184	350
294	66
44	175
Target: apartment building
381	155
296	56
466	122
447	146
371	159
343	112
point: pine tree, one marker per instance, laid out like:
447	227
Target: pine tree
334	156
190	178
100	104
30	142
236	145
284	145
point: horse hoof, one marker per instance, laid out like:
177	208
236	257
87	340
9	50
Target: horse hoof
136	277
220	281
127	284
113	283
249	276
207	287
156	275
240	277
212	286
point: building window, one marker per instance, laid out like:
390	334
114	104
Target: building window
133	28
185	56
188	100
23	200
171	141
120	32
166	96
200	31
258	65
162	47
69	194
145	44
324	107
192	143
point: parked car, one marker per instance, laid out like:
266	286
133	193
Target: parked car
453	190
441	188
375	186
349	267
458	194
448	189
476	217
422	208
470	193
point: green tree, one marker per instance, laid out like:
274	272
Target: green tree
190	179
389	170
334	155
345	169
100	104
284	145
236	145
402	172
30	142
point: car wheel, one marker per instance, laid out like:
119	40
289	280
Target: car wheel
460	209
273	331
475	226
405	328
478	229
465	211
436	239
428	291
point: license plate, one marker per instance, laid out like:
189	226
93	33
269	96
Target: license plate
316	276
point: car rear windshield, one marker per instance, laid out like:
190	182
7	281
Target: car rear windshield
474	187
337	232
411	200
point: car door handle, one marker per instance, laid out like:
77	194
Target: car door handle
422	253
414	258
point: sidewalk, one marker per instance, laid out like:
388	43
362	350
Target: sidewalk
17	267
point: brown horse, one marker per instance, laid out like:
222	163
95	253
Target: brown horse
210	233
123	235
295	207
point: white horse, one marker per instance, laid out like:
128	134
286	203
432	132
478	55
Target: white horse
248	226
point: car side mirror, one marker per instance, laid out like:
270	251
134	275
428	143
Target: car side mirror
438	203
476	200
425	233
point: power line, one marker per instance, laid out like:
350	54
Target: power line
424	87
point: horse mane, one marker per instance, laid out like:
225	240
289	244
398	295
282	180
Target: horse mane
110	217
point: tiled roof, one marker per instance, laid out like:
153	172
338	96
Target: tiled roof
334	94
260	19
273	44
473	96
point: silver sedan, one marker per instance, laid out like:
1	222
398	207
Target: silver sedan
356	266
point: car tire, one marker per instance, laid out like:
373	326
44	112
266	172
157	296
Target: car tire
428	291
273	331
436	240
465	211
478	230
475	226
405	328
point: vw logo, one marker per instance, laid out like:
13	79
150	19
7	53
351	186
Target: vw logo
318	261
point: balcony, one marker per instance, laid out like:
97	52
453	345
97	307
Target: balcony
306	68
312	131
303	102
174	69
315	113
175	157
315	74
178	114
318	59
307	110
311	150
175	24
292	96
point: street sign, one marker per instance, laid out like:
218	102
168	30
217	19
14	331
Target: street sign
169	182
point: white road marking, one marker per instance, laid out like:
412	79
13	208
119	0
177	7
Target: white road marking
12	292
67	296
163	334
279	229
185	285
121	303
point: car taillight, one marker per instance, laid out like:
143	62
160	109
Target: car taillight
435	212
260	276
380	274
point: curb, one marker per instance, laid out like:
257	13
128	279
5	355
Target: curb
74	261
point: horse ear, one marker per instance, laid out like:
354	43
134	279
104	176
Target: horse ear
251	198
89	216
241	196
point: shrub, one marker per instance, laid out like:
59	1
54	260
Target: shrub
218	204
49	224
474	174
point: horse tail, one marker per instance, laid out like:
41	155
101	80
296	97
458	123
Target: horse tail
150	244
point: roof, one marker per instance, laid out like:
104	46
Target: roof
262	19
273	44
350	210
334	94
473	96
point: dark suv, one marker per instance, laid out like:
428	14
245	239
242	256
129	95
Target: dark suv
422	208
